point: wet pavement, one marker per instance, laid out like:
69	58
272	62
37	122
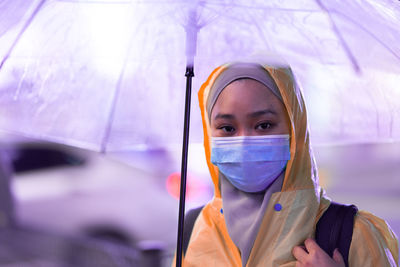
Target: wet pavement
22	247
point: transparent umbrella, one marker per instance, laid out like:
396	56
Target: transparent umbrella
108	75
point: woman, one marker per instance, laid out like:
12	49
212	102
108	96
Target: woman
267	200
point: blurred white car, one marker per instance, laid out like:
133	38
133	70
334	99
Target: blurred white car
81	193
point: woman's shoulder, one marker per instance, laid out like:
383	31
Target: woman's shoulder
373	243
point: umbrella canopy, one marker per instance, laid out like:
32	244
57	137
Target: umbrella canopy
109	75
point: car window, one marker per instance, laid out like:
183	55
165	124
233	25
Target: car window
40	158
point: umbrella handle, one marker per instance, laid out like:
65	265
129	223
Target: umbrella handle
182	196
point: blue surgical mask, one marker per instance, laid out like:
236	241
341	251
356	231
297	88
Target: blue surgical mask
251	163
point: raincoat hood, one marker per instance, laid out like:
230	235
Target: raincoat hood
301	169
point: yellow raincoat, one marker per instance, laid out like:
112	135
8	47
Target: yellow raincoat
303	202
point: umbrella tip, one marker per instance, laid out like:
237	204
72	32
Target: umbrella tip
357	69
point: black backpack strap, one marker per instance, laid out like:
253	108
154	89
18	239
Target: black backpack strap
190	219
335	229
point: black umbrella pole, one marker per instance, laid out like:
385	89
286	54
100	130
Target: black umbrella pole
179	247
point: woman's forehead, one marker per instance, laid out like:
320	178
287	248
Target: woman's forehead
248	96
247	90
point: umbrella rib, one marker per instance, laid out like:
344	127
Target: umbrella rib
110	120
107	131
24	28
369	33
341	39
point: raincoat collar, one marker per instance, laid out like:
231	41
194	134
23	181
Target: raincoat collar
244	212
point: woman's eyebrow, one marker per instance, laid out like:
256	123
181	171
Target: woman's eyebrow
261	112
224	116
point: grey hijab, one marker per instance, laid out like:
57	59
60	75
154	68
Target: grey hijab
243	212
237	71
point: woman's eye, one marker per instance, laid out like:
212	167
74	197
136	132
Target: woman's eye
227	129
264	126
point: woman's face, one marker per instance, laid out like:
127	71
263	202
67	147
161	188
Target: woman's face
246	107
